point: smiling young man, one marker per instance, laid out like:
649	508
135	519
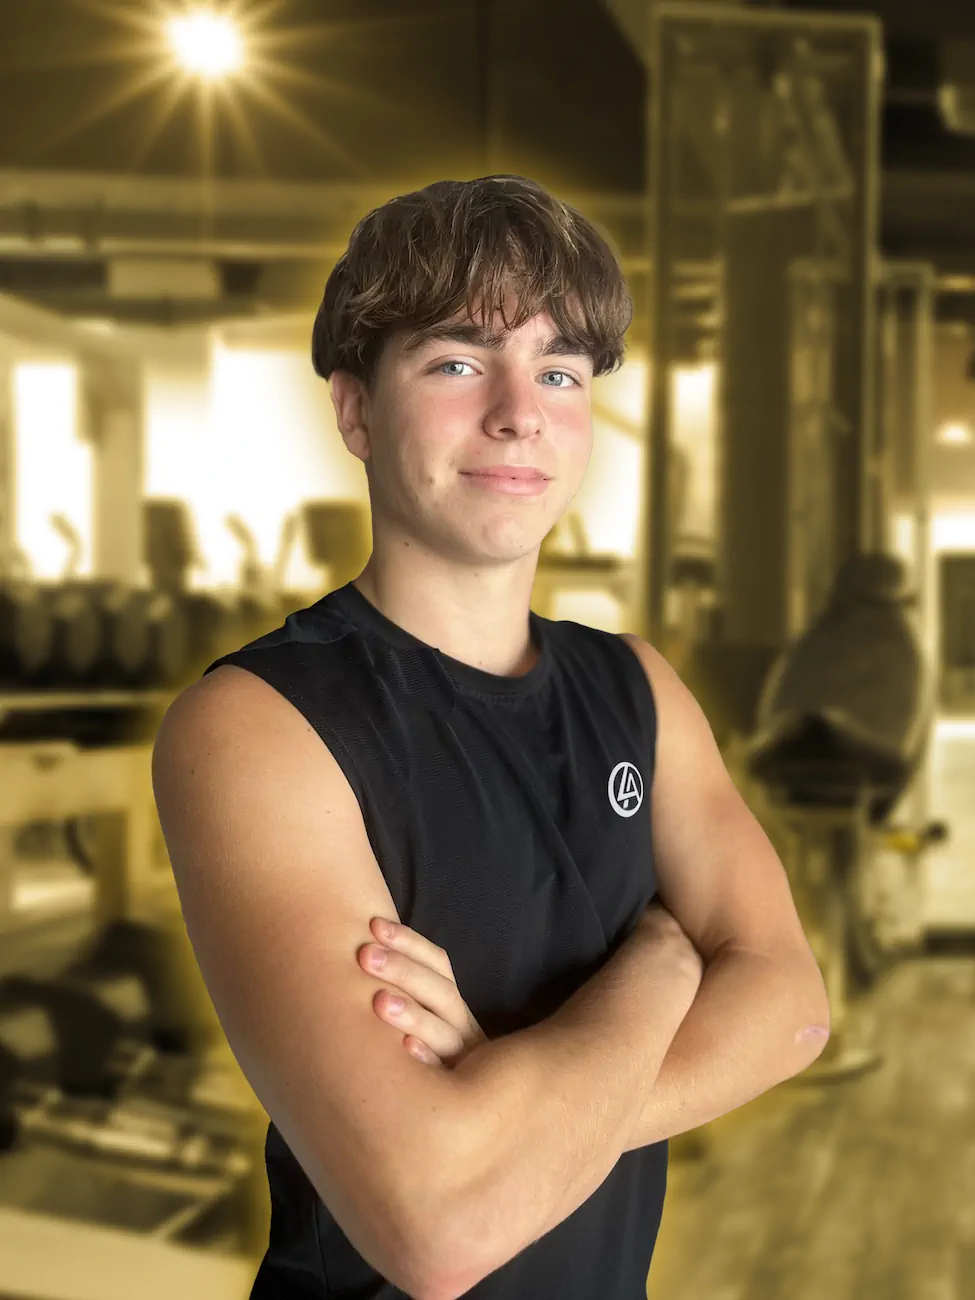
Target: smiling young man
523	795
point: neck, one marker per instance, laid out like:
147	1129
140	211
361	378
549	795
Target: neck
478	616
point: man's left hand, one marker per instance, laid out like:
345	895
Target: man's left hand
440	1029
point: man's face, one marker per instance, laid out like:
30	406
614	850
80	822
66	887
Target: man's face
449	407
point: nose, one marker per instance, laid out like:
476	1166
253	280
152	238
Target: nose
513	408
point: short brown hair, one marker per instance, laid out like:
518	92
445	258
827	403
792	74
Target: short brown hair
419	258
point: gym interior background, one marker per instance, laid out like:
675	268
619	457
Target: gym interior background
781	497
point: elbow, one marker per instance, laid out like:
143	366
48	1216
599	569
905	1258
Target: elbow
431	1263
464	1251
391	1229
815	1026
440	1290
453	1210
446	1261
380	1238
815	1033
423	1232
448	1222
811	996
448	1286
818	1018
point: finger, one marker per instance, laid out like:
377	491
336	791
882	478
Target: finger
420	1050
436	1034
438	993
412	944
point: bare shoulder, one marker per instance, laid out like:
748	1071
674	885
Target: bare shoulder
654	664
232	688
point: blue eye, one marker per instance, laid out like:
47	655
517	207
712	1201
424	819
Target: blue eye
444	364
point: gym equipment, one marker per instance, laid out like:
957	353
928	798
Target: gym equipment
26	631
147	1132
108	633
123	632
119	1012
204	1153
100	1021
339	534
258	585
159	655
142	636
77	633
847	707
567	563
159	959
28	1061
885	898
213	619
171	547
205	1141
28	1046
859	891
214	622
77	641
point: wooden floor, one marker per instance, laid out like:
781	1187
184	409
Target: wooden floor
860	1189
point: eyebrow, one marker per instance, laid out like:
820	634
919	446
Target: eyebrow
479	336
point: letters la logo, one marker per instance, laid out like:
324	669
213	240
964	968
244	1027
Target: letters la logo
625	789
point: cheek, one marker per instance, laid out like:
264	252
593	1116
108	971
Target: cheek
580	442
422	462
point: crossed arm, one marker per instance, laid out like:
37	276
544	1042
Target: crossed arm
761	1014
758	1016
737	1041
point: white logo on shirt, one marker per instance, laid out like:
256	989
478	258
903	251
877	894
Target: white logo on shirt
625	789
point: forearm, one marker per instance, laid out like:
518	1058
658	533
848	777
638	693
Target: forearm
742	1035
552	1106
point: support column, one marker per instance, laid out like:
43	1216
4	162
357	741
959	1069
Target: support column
115	417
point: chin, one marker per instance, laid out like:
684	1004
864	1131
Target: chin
511	554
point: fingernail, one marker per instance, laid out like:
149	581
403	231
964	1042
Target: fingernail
385	930
394	1006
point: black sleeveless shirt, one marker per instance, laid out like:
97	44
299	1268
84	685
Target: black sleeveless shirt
510	817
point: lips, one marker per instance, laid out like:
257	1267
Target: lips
508	471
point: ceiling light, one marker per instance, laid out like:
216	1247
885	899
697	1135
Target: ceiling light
206	44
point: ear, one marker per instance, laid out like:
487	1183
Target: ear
352	413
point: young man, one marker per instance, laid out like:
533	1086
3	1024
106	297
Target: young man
518	793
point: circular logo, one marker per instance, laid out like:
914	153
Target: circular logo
625	789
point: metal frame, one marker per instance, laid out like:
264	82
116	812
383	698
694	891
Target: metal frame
663	134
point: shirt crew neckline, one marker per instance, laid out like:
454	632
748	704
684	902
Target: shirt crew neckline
361	611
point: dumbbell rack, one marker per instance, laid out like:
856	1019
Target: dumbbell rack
54	780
